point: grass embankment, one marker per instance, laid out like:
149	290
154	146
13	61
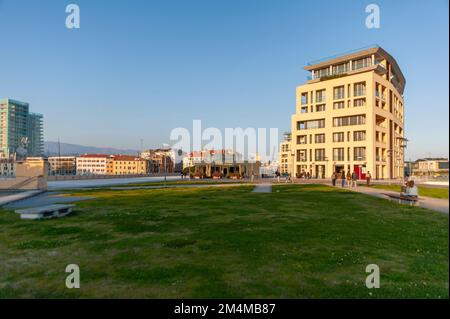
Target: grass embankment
300	241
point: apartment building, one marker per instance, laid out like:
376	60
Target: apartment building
350	116
126	165
18	128
160	160
92	164
62	165
285	157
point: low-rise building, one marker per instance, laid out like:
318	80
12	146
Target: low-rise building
92	164
431	166
127	165
159	160
62	165
220	163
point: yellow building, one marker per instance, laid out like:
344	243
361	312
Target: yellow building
126	165
349	116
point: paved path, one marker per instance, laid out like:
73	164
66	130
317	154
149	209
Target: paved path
86	183
263	188
436	204
5	200
45	199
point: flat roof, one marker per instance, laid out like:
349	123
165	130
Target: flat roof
354	54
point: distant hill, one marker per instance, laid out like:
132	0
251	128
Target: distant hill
51	149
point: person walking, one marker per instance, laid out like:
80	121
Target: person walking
343	178
277	174
333	179
368	178
354	179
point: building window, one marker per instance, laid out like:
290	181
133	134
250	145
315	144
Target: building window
361	63
302	139
305	125
321	73
319	138
320	96
339	93
349	120
359	89
319	154
339	105
341	68
302	155
338	154
304	98
320	108
359	135
359	154
304	110
338	137
359	102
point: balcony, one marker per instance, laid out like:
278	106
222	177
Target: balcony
320	99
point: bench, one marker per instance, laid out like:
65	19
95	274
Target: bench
404	199
46	212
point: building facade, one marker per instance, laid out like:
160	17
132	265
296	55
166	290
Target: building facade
35	134
126	165
92	164
19	127
62	165
431	166
159	160
285	157
350	117
7	167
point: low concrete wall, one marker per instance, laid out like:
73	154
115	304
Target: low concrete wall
30	175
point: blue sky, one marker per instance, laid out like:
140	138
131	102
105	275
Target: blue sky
137	69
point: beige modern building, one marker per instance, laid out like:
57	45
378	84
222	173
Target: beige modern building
350	116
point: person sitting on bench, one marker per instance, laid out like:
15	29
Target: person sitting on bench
411	190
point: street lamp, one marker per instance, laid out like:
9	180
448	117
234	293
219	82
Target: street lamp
165	162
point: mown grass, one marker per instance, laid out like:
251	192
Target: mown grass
300	241
433	192
186	182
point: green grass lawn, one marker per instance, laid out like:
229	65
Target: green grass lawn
186	182
423	190
301	241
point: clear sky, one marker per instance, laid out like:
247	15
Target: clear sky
137	69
